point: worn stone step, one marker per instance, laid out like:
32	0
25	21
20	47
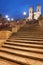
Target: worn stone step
24	48
6	62
24	53
35	36
26	34
32	39
29	42
29	37
20	59
24	45
32	31
24	41
13	58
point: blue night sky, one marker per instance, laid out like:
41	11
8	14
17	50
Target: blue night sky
15	8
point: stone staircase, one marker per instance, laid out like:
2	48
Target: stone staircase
24	47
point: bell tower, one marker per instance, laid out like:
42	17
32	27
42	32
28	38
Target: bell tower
39	9
31	13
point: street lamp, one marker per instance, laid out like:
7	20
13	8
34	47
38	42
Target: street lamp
24	13
12	19
6	16
8	19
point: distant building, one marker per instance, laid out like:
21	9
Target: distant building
34	15
31	13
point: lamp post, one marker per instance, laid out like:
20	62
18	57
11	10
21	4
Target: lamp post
12	19
8	19
6	16
24	13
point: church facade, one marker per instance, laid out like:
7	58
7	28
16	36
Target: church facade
34	15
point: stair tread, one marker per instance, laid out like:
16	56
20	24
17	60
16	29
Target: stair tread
30	42
23	48
27	61
35	45
13	40
5	62
23	53
35	39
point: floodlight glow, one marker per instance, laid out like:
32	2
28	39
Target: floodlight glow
8	19
24	13
12	19
6	16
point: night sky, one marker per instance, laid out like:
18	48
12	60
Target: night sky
15	8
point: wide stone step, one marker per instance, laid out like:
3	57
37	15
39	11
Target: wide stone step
20	59
13	58
25	41
35	50
26	37
24	45
19	36
27	34
24	53
7	62
32	31
32	39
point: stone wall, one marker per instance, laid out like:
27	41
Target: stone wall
5	34
15	29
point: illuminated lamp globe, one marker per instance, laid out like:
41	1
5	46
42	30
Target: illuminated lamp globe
6	16
8	19
12	19
24	13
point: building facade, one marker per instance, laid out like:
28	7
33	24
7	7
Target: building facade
34	15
